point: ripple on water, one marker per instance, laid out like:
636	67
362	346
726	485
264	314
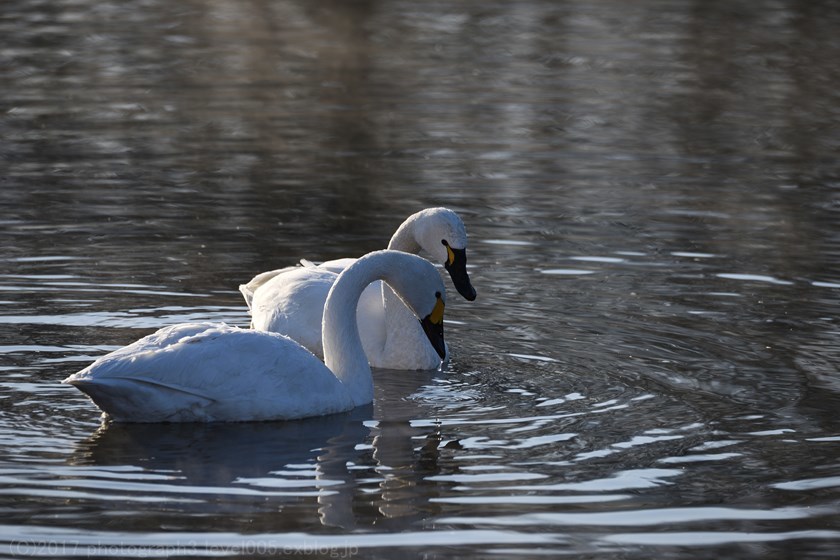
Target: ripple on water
809	484
42	540
152	318
642	517
716	538
565	271
755	278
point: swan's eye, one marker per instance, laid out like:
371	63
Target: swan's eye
450	256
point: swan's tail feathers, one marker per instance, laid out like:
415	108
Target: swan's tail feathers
307	263
137	399
248	294
248	290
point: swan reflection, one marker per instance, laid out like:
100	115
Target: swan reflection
242	465
275	466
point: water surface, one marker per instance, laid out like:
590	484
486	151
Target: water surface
652	195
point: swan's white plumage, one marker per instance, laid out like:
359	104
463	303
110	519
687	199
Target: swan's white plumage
291	300
212	372
215	372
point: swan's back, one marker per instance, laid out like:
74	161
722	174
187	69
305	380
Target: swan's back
248	290
211	372
292	303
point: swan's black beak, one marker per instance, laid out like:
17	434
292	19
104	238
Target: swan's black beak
456	266
433	327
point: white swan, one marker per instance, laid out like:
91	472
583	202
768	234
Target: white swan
214	372
291	300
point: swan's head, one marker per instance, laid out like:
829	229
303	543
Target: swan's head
441	234
418	284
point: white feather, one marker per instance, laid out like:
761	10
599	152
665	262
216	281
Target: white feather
291	300
215	372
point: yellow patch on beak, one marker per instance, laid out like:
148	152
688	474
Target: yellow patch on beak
450	256
436	316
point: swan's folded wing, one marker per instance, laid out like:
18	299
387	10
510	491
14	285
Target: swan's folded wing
337	265
141	399
293	304
248	290
204	372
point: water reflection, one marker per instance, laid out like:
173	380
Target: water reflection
263	464
651	195
252	462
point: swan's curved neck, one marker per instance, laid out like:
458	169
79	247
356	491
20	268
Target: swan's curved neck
404	238
343	352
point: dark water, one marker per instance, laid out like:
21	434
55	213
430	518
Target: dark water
652	193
